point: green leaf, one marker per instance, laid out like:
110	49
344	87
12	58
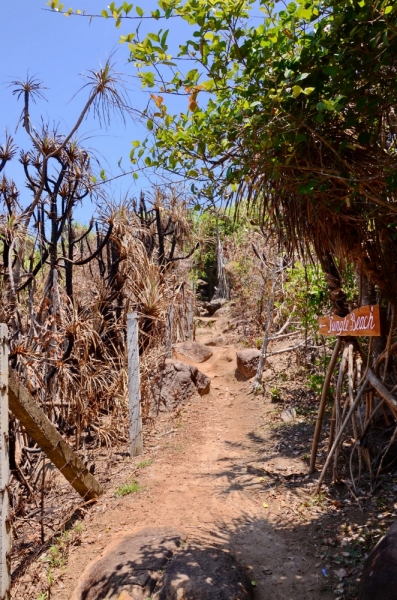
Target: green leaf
331	70
296	90
164	38
192	75
302	76
139	11
149	125
104	13
305	13
102	174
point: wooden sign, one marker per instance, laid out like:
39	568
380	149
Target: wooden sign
364	321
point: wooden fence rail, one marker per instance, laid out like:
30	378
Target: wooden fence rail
41	430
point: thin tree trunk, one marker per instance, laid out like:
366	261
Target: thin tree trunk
270	304
323	402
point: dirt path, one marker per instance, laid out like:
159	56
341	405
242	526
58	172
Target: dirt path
206	479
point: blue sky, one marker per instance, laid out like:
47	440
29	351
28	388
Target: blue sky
57	50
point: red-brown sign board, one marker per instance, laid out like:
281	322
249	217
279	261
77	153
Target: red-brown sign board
364	321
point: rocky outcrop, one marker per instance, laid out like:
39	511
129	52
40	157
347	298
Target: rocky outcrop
195	351
180	382
247	362
157	564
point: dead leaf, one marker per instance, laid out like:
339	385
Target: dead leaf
341	573
158	100
288	415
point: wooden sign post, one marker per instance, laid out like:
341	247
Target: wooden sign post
364	321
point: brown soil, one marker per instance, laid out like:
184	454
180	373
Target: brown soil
228	472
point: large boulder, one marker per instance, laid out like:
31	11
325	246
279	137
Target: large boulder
180	382
154	563
247	362
379	578
131	564
195	351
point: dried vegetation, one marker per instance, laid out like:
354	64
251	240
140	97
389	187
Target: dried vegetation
66	290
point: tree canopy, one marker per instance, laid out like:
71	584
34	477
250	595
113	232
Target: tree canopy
293	109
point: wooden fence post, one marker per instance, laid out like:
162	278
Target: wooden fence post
43	432
169	332
134	392
190	321
5	542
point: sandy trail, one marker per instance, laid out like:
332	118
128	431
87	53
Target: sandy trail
203	481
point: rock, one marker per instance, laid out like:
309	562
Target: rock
218	340
181	382
213	306
203	383
195	351
247	362
131	565
379	578
221	312
202	573
153	563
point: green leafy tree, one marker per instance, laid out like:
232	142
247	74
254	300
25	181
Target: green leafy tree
294	110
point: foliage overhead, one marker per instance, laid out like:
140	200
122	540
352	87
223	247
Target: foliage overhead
294	109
